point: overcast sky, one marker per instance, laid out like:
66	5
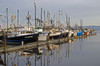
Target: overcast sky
87	10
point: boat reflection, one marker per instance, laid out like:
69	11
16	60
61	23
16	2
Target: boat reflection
1	61
38	56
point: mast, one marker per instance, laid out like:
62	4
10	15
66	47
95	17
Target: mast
48	15
57	23
28	18
68	23
35	11
17	18
7	18
51	21
81	23
54	20
59	20
41	16
66	19
44	20
12	20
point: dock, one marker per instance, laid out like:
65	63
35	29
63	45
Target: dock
35	44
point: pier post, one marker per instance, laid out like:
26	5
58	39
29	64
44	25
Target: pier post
22	43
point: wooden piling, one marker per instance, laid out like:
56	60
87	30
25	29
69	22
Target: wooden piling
22	43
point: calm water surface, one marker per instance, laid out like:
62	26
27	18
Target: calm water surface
79	52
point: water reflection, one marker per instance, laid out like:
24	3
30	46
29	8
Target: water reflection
1	61
38	56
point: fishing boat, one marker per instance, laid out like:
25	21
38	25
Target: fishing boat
55	34
65	33
21	34
17	38
59	34
38	29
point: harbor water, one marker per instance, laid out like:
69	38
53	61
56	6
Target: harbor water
78	52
